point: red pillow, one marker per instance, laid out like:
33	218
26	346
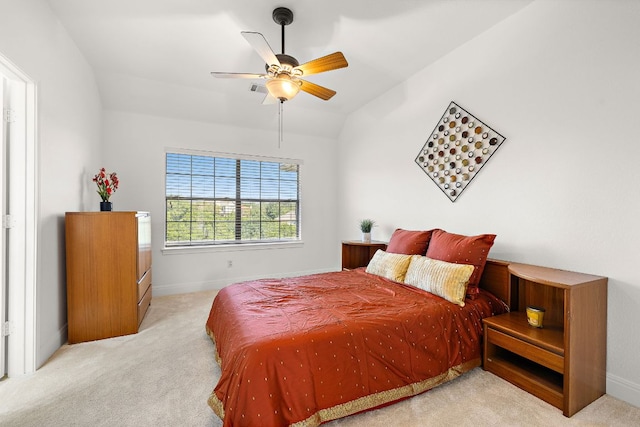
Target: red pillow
460	249
409	242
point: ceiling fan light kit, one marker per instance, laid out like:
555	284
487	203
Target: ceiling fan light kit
283	87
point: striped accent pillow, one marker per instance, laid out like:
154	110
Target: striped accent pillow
389	265
445	279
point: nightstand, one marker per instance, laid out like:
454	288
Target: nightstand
563	363
356	253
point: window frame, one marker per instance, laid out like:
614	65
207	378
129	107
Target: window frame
227	245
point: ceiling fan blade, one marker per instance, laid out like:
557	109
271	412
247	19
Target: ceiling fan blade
238	75
316	90
259	43
327	63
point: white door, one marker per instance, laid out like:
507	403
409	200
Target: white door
3	238
18	173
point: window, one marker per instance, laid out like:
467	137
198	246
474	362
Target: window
219	199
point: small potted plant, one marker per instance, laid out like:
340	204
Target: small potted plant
365	226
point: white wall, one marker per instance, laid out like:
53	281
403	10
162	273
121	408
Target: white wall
69	132
560	81
136	152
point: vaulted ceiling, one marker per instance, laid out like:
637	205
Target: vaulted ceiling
155	56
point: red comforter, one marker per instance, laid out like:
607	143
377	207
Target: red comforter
305	350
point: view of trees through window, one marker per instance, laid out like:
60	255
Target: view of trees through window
213	200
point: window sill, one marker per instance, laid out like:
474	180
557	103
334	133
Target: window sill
231	247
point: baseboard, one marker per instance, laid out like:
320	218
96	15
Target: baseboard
183	288
623	389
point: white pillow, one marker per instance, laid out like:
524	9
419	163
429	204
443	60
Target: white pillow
445	279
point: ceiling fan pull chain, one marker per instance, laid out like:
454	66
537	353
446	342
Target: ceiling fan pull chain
280	123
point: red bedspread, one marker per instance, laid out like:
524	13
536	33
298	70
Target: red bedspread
305	350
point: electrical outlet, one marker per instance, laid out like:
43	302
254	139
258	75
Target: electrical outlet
229	264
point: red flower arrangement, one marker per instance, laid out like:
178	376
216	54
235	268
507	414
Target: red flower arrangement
107	184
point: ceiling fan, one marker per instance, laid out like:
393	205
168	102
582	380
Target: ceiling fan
283	72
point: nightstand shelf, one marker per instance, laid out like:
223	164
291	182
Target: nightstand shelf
550	338
564	362
542	382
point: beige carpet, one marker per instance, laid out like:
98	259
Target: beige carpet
163	376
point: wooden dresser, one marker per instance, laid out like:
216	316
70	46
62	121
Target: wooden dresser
108	273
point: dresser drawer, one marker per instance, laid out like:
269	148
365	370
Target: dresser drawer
143	305
144	284
524	349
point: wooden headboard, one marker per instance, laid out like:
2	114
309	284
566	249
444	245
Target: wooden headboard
495	279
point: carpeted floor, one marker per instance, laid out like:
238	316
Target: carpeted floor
163	375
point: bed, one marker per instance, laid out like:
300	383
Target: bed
306	350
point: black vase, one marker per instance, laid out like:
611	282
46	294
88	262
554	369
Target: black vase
105	206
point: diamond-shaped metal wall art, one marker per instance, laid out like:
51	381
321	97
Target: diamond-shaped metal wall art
459	146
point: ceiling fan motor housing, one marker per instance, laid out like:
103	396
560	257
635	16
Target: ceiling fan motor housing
288	62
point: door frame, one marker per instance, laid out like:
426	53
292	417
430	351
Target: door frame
23	202
3	238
